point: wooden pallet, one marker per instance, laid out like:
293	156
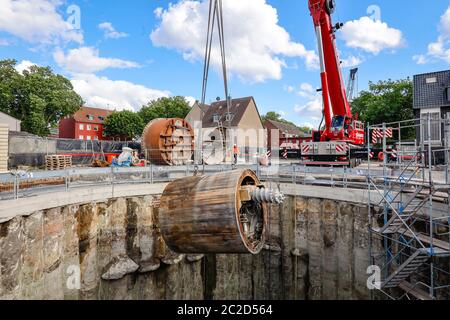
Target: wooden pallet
57	162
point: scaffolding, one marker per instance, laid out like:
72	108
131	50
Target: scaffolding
409	212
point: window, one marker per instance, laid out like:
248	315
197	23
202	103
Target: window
229	117
216	118
96	138
435	115
101	118
81	137
88	138
91	117
89	127
338	122
81	126
431	80
95	128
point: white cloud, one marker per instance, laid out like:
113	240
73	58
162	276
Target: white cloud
191	100
371	35
439	50
351	62
4	42
88	60
37	21
444	26
158	12
421	59
102	92
312	107
256	44
305	90
289	89
310	111
24	65
110	32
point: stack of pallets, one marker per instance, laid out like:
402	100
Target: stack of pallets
58	162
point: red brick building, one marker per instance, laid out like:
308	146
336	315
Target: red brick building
290	137
86	124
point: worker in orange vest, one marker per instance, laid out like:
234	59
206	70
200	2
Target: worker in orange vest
235	153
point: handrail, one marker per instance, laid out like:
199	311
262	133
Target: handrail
395	211
403	183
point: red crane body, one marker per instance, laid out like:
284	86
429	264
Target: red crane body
340	125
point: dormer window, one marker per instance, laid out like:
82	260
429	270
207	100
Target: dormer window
216	118
91	117
229	116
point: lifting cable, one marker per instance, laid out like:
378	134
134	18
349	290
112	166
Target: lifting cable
208	47
215	10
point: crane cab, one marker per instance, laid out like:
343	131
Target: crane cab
345	129
357	133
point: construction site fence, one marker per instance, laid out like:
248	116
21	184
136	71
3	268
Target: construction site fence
20	184
26	150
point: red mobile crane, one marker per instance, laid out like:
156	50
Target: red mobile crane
343	137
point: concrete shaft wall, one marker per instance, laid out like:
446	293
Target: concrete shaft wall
317	249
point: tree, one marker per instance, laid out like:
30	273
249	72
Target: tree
175	107
37	97
124	124
385	102
274	116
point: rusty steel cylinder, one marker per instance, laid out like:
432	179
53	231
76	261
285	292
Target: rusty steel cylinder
168	142
214	214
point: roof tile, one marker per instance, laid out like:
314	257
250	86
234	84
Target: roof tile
83	115
238	108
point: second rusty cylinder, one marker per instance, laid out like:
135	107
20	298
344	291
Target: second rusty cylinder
168	142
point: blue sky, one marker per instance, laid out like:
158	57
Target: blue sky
130	51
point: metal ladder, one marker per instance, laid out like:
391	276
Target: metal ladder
406	212
404	271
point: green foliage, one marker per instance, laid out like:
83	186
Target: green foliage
274	116
174	107
38	97
385	102
305	129
124	124
129	125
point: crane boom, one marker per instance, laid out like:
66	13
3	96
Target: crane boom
337	111
343	136
321	11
